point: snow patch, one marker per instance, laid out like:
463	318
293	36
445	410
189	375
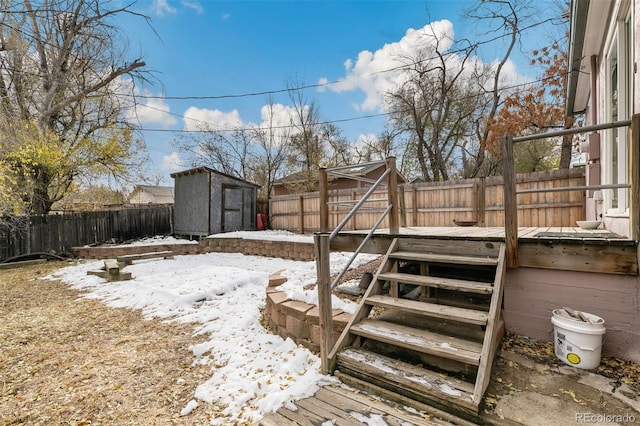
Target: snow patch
253	372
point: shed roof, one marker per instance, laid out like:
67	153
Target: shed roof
204	169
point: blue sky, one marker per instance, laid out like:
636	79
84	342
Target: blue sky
212	48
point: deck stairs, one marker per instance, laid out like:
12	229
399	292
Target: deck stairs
429	324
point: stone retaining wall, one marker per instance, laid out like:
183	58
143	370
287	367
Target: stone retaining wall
298	320
281	249
111	252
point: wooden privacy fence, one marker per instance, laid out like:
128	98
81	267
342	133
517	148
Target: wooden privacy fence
58	233
440	203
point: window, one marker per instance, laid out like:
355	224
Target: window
618	107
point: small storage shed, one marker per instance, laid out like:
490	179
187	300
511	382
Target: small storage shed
209	202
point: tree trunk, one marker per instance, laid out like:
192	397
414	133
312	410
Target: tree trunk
41	201
567	145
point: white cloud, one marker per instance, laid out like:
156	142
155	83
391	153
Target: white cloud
153	111
370	72
276	115
172	162
211	119
162	7
226	16
281	118
376	73
197	7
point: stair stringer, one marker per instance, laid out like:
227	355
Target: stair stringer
490	342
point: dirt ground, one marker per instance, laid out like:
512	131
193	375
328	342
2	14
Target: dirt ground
71	361
526	370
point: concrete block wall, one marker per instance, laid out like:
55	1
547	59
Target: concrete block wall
281	249
298	320
111	252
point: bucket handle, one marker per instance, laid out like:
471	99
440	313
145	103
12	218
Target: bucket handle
587	349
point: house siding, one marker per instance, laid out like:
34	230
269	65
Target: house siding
530	296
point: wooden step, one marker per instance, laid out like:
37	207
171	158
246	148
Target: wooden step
468	316
418	340
444	258
438	282
406	379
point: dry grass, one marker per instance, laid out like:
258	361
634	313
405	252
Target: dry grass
71	361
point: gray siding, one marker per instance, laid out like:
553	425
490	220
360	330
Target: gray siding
208	202
191	204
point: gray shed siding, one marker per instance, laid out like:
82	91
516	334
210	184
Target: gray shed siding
208	202
191	205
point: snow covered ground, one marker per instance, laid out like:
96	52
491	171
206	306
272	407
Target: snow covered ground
253	372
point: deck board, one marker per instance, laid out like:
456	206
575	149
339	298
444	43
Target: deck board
493	233
348	407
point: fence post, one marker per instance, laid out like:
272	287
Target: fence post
324	199
634	167
403	207
301	208
414	202
480	201
510	205
354	220
392	193
321	244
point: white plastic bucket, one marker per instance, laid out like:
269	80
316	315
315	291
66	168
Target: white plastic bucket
577	342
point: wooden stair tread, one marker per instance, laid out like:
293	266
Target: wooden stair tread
443	258
418	340
469	316
438	282
408	377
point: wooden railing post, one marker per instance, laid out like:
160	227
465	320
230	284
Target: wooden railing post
392	193
324	199
510	205
321	243
634	178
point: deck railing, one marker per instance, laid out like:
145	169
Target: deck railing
322	240
510	193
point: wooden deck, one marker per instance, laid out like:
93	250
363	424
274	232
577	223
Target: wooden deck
342	406
566	248
497	234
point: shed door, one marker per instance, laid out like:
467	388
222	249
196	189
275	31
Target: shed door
232	203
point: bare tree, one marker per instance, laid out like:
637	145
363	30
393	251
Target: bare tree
61	69
503	20
222	150
307	148
435	106
271	149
